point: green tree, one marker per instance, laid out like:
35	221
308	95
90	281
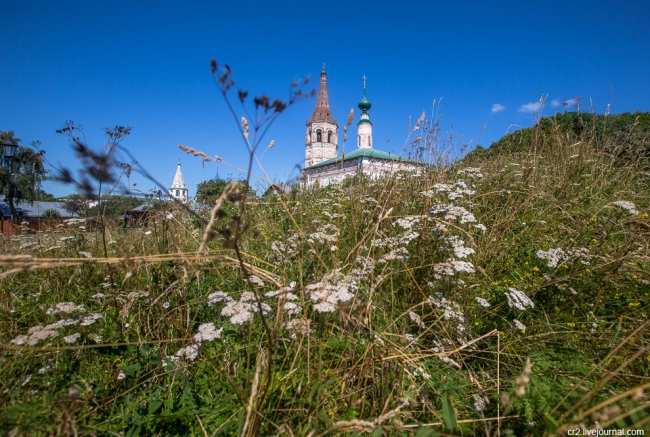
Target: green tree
21	177
44	196
208	192
77	204
51	214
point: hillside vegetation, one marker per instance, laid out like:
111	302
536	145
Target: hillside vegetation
507	293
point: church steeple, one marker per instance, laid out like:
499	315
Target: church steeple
322	112
321	141
178	189
364	126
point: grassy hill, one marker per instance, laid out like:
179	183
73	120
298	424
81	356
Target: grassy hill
628	134
505	294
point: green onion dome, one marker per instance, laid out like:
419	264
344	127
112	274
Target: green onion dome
364	104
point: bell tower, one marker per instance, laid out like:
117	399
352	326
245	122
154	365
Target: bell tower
321	140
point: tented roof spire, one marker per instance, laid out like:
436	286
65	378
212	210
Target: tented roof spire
322	112
178	178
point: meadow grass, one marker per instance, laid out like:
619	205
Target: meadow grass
499	294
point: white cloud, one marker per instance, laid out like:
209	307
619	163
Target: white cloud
556	103
530	107
497	107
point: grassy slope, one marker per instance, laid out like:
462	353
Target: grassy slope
411	346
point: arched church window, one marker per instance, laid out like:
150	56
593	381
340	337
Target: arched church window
178	192
329	136
319	136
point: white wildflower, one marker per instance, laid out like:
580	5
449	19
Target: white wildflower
417	319
554	256
166	305
96	338
479	403
65	307
298	326
331	290
484	303
255	280
218	296
239	312
89	319
207	332
458	247
291	308
86	254
629	206
70	339
20	340
190	352
471	172
519	325
121	376
517	299
452	212
406	222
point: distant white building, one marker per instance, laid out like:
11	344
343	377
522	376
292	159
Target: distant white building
178	189
323	166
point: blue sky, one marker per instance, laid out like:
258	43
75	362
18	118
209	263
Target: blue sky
146	64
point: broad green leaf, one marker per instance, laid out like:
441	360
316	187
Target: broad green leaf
448	413
425	431
154	406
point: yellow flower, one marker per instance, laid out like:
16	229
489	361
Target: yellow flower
536	269
593	219
571	325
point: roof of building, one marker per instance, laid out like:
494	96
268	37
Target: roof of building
143	207
179	182
36	209
365	153
322	111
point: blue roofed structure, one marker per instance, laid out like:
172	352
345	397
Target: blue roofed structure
35	210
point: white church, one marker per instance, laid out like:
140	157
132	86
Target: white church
323	166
